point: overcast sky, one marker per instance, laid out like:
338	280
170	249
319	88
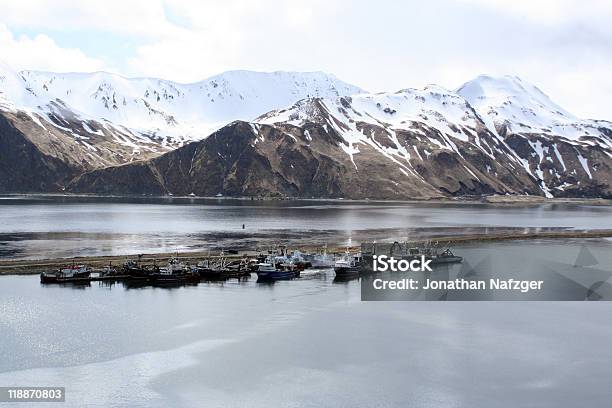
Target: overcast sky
562	46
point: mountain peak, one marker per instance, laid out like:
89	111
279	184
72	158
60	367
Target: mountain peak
508	90
498	86
255	84
165	108
511	101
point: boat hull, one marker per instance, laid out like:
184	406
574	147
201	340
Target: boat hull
212	274
346	271
174	279
138	274
277	275
446	260
58	278
222	274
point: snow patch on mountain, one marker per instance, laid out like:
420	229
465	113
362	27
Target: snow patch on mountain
523	108
479	115
443	113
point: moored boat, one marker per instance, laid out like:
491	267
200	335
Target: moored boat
295	259
222	269
271	271
348	265
409	251
175	273
207	270
135	270
71	273
321	259
431	252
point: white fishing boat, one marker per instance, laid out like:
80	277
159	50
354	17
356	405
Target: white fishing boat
70	273
295	258
176	272
321	259
175	266
348	265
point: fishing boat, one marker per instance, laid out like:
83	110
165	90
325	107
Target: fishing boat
237	269
135	270
429	250
409	251
321	259
212	271
222	268
110	272
206	270
437	257
72	273
348	265
271	271
175	273
295	258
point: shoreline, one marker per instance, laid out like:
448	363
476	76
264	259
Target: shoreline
34	267
486	199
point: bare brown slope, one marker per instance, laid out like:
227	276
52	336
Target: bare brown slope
25	168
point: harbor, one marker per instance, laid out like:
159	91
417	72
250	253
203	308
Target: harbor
36	266
278	263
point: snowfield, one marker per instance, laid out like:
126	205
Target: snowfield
172	112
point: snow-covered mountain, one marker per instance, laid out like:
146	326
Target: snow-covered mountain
144	117
181	111
511	103
432	113
319	137
502	105
503	120
415	143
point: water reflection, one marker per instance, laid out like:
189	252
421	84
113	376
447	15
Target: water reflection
35	227
345	279
178	347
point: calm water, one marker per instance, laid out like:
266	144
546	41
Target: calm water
306	343
45	227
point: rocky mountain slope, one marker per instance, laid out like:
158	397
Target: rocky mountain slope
492	135
321	137
25	166
569	156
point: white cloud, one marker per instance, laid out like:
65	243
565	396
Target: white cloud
42	53
550	11
135	17
563	46
232	34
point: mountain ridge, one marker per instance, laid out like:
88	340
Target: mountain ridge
491	135
156	114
